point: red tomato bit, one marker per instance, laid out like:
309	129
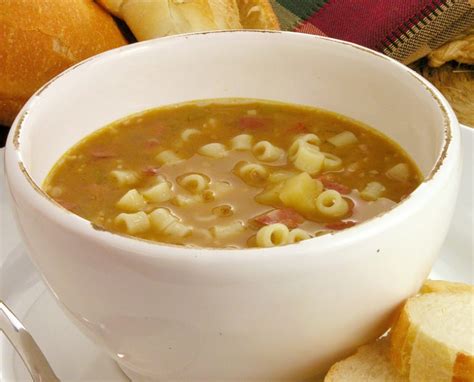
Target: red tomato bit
299	128
66	204
338	226
150	171
330	185
287	216
102	154
251	122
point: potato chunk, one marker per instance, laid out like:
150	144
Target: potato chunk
300	192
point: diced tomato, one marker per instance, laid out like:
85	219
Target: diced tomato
352	206
160	127
341	225
102	153
151	143
287	216
250	122
299	128
330	185
150	170
66	204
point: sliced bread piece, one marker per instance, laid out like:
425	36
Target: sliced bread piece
433	286
433	338
371	363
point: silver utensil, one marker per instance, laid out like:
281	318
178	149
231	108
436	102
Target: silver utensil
25	345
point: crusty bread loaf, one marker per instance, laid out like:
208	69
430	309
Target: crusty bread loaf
257	14
457	85
433	338
460	49
113	6
150	19
371	363
41	38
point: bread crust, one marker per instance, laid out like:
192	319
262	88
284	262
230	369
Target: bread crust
160	18
370	363
433	286
9	109
463	370
460	49
257	14
112	6
402	337
41	38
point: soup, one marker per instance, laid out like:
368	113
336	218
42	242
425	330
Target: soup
232	173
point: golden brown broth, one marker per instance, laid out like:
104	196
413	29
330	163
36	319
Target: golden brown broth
81	180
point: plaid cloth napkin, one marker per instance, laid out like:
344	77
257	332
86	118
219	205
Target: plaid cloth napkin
402	29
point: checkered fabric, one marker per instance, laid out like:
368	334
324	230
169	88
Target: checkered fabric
403	29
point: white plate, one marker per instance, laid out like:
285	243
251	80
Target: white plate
74	358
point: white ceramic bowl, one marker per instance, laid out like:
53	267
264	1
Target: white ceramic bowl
171	313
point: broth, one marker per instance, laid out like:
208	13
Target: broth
198	174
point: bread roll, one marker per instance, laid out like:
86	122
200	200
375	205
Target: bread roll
113	6
150	19
41	38
460	49
457	85
257	14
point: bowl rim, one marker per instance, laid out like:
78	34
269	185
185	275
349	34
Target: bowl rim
147	248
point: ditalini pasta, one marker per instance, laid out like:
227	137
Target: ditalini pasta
372	191
253	173
177	230
161	218
195	183
213	150
331	162
330	203
272	235
132	201
267	152
134	223
312	139
125	177
222	232
345	138
187	200
400	172
158	193
306	157
232	174
296	235
167	157
241	142
188	134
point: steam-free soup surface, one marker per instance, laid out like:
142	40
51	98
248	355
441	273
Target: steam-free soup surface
231	173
